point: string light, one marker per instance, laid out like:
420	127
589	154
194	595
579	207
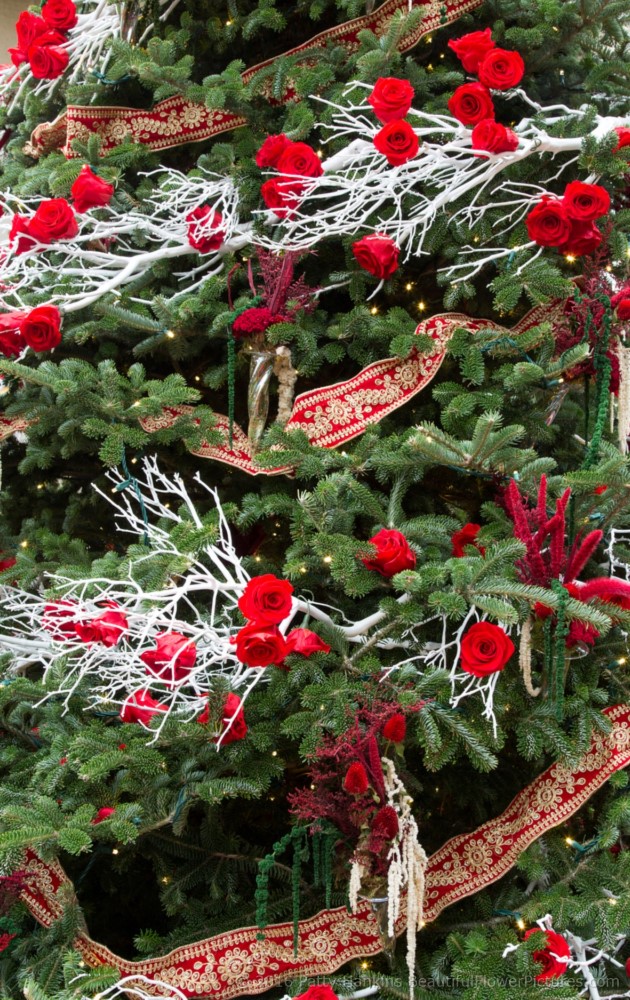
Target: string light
422	306
165	880
24	544
227	24
570	259
274	753
365	965
115	851
302	569
520	923
40	486
197	378
409	286
256	558
170	335
327	559
374	310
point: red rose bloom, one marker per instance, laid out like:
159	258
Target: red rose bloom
385	823
255	320
300	159
501	70
471	103
41	329
140	707
599	490
20	235
398	142
266	600
548	223
48	56
60	14
395	728
623	136
232	710
204	229
323	992
586	202
621	304
260	645
393	553
7	563
11	342
59	620
29	27
90	191
584	238
493	137
377	254
305	642
271	150
173	658
486	648
470	49
107	628
54	220
356	779
553	957
282	196
391	98
104	813
466	536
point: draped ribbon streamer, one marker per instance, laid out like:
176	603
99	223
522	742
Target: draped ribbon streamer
176	120
237	963
334	414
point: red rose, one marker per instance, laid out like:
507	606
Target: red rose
7	563
471	103
584	238
271	150
29	27
204	232
621	304
255	320
600	489
20	235
470	49
300	159
385	823
54	220
173	658
586	202
232	711
501	70
377	254
260	645
485	649
466	536
107	628
395	728
11	342
398	142
356	779
90	191
41	329
324	992
59	620
302	640
623	136
548	223
282	196
543	610
140	707
580	633
60	14
104	813
266	600
391	98
48	56
493	137
553	957
393	554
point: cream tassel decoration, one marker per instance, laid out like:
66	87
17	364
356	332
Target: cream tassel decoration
287	377
623	397
525	657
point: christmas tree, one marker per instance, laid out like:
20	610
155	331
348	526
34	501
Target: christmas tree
315	523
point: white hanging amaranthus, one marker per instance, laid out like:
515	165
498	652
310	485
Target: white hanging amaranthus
360	192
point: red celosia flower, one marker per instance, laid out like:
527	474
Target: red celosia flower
356	779
385	823
395	728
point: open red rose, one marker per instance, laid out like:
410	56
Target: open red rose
266	600
300	159
41	329
471	48
322	992
553	957
173	658
391	98
233	714
621	304
204	229
580	633
393	553
29	27
48	56
623	136
7	563
485	649
493	137
19	235
471	103
54	220
255	320
305	642
11	342
260	645
466	536
140	707
377	254
356	779
282	196
90	191
107	628
584	238
60	14
103	813
398	142
59	619
586	202
501	69
395	728
271	150
548	223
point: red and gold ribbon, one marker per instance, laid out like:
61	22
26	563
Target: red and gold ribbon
237	962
